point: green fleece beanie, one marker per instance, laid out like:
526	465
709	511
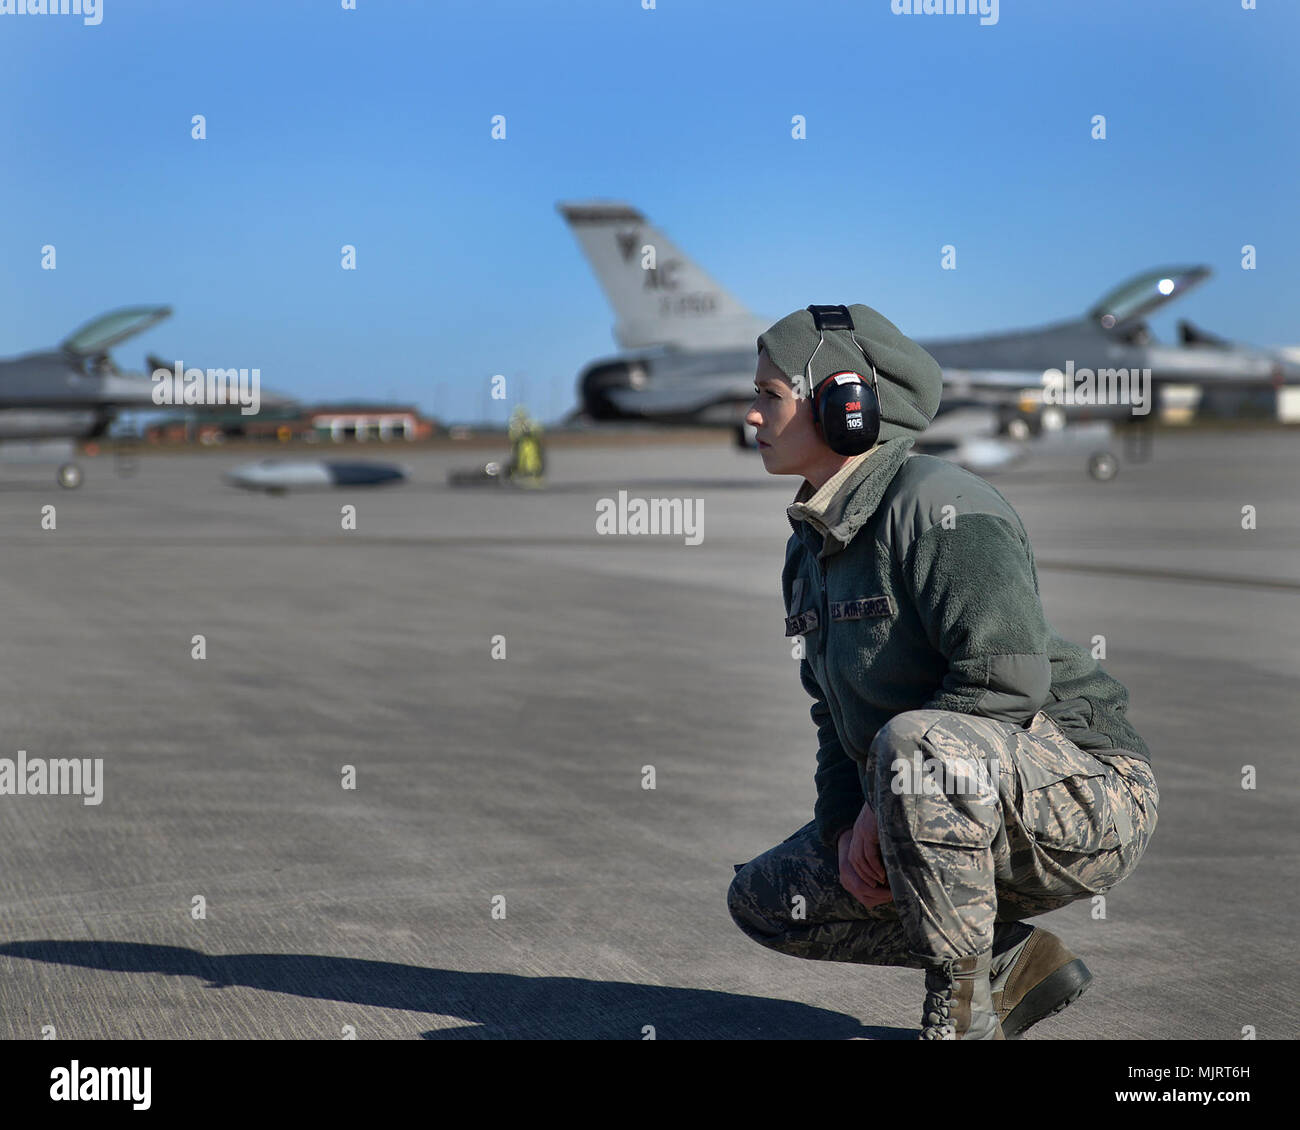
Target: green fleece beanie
911	381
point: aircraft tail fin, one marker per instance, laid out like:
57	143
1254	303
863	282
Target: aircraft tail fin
659	296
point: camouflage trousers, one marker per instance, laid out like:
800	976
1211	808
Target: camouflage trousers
979	822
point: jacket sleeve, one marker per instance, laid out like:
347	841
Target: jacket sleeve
974	588
839	791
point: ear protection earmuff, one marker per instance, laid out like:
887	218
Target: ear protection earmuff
844	404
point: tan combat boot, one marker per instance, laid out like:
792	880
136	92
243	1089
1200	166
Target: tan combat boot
1032	976
958	1000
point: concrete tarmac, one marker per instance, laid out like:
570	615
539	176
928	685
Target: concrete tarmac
499	871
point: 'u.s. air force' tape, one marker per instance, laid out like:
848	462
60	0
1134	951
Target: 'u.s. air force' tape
861	608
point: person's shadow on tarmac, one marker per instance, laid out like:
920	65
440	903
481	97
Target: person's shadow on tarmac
504	1006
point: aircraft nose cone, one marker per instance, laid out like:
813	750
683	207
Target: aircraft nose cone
274	475
601	384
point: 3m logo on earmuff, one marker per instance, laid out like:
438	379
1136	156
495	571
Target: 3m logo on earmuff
845	406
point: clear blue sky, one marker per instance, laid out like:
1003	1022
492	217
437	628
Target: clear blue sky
372	127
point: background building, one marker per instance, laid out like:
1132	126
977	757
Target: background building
332	423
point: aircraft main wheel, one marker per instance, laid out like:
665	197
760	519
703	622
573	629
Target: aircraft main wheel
1018	429
1103	466
746	437
69	476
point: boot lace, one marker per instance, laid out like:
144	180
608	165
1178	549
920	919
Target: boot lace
936	1013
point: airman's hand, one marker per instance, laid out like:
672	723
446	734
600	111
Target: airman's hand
862	870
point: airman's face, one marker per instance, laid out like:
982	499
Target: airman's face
788	440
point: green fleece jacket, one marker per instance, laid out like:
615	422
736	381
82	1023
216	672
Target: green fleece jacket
913	584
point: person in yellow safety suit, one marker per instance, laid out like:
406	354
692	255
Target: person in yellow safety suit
527	461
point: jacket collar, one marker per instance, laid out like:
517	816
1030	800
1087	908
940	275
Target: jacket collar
849	497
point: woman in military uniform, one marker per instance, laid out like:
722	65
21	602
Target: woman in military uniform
973	768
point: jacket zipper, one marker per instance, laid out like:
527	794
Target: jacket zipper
825	632
825	610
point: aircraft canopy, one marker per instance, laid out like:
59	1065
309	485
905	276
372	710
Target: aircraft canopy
107	330
1131	301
